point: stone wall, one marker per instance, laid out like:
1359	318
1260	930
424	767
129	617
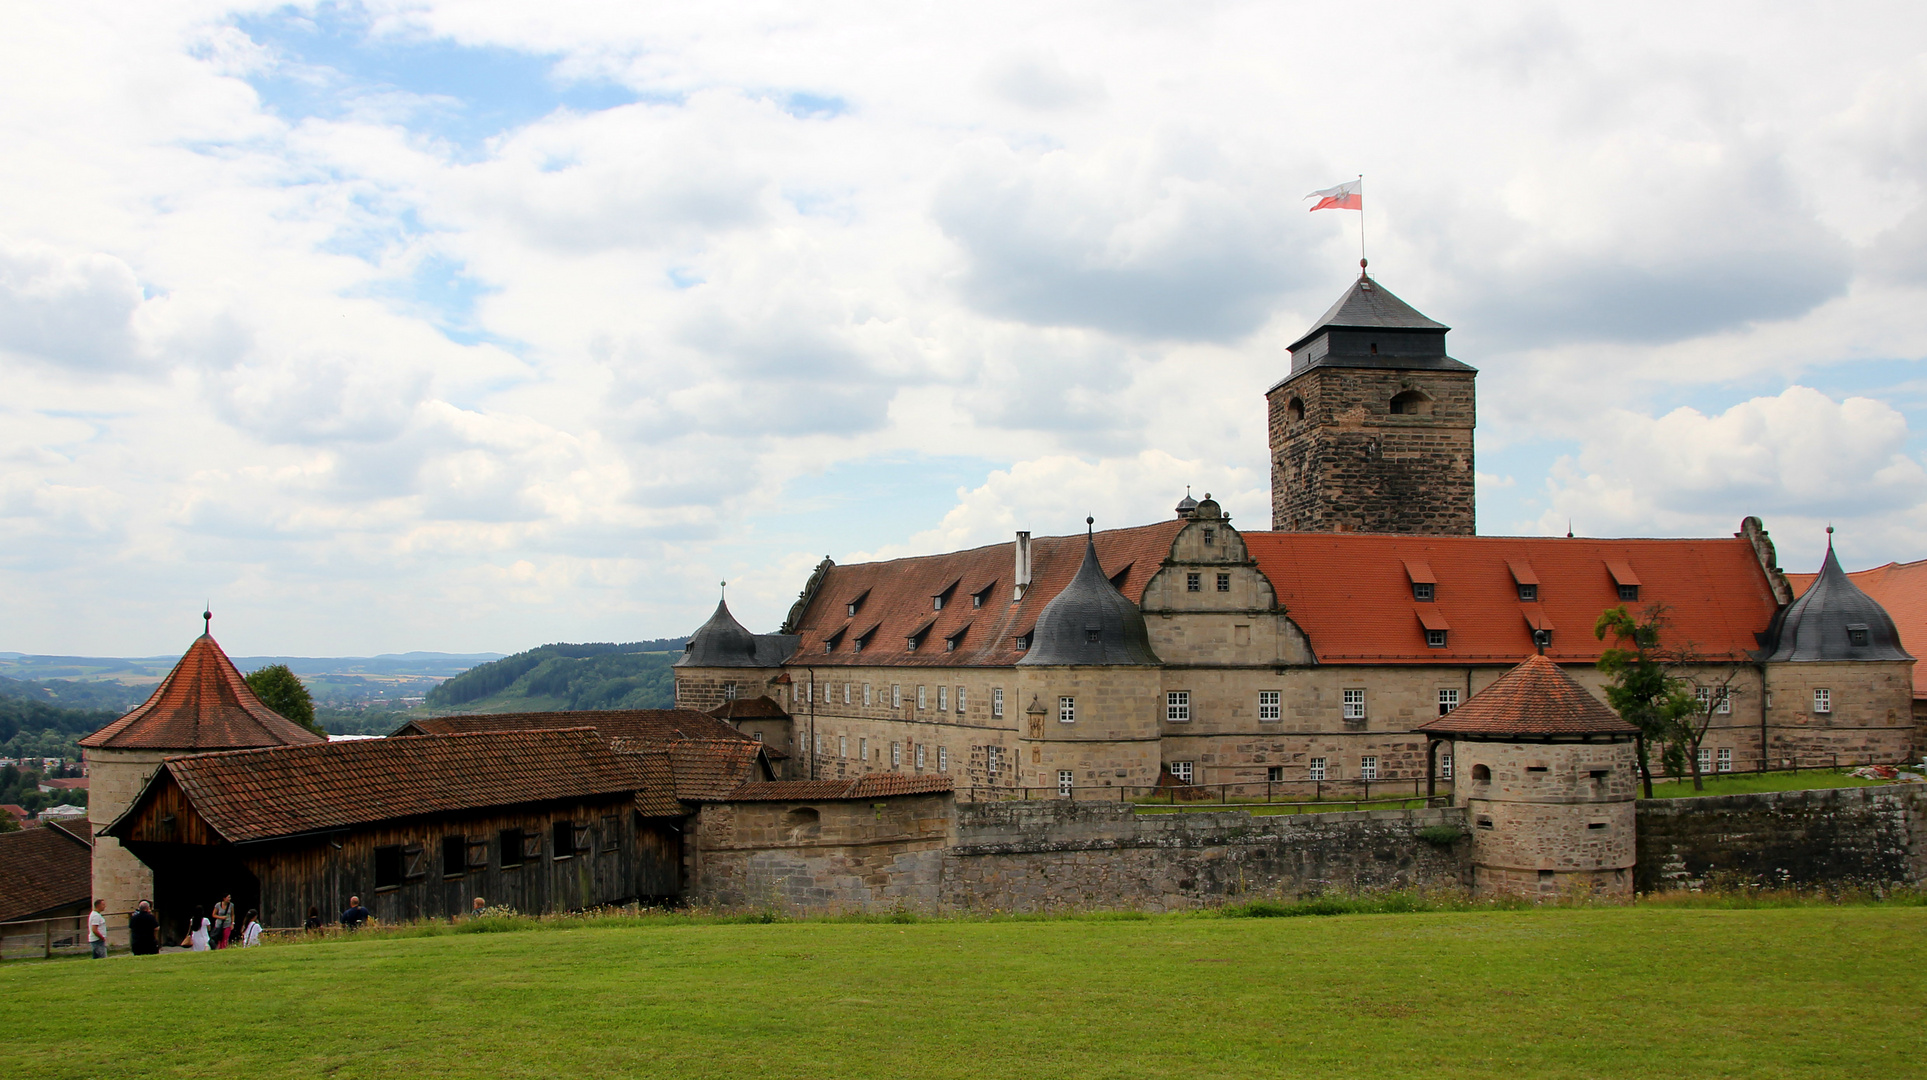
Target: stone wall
1351	465
1838	836
116	777
1035	856
825	856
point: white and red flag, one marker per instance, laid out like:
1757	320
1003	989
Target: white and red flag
1346	196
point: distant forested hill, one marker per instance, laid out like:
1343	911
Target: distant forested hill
30	728
567	677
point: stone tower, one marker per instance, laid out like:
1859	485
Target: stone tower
1547	775
201	706
1372	430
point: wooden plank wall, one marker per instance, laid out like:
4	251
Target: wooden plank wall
628	859
168	818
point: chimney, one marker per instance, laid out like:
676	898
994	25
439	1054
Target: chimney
1023	567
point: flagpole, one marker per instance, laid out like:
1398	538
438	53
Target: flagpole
1361	223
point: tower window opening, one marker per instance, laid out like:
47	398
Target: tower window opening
1295	409
1411	403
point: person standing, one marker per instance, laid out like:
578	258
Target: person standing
97	929
144	931
197	932
251	933
480	905
223	922
314	919
355	916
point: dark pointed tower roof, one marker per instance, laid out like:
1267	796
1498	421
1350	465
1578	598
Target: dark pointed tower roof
723	642
1370	327
1834	620
1090	622
1536	700
203	704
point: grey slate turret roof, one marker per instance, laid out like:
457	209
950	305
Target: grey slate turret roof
1369	327
723	642
1834	620
1090	623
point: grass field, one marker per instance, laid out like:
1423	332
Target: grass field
1749	783
1648	991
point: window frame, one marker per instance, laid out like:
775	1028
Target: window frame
1271	706
1353	698
1425	592
1316	768
390	867
1177	706
1448	699
455	844
1445	766
997	702
1723	759
1066	709
1528	592
1224	583
1193	581
513	847
1435	639
1066	783
1822	701
1182	771
1368	766
1629	594
943	759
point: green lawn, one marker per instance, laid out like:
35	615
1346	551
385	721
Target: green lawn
1819	991
1749	783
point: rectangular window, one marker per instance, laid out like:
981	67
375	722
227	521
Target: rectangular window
1822	700
896	696
943	699
1355	704
1445	766
1435	639
388	867
1066	710
1704	694
843	746
562	835
1193	582
511	847
1528	594
1724	756
1065	782
943	759
1448	699
729	691
997	702
863	749
1628	593
1181	771
1224	582
1705	757
920	749
846	693
923	700
960	701
827	698
991	756
896	755
1177	706
1422	590
1857	634
454	856
1316	769
867	699
1275	772
1269	706
1210	536
1368	767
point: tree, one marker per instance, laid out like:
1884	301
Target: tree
1711	689
1641	686
281	690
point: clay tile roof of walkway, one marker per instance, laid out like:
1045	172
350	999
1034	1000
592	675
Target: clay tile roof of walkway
1352	593
286	791
1536	698
626	729
873	786
1901	588
42	869
201	705
707	769
896	599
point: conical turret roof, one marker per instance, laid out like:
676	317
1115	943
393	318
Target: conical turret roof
1536	700
724	642
1370	327
1367	305
1834	620
203	704
1090	622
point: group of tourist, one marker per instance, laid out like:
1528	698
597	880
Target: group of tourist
207	932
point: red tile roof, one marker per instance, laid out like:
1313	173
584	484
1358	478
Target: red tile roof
249	795
42	869
626	729
706	769
873	786
898	599
760	707
657	797
1352	593
74	783
1901	588
1534	699
19	812
201	705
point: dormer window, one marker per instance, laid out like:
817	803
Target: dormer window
1528	594
1022	641
1528	582
1628	593
1093	635
1424	583
942	596
950	643
862	641
830	643
1857	634
855	603
851	609
910	645
1624	580
1435	639
1423	591
936	603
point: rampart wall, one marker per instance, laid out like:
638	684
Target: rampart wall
1873	836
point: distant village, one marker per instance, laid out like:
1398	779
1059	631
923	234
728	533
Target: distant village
1018	725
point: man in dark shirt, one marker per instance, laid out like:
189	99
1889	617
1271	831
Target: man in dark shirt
143	931
355	915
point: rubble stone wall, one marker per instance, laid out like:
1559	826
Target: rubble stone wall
1874	836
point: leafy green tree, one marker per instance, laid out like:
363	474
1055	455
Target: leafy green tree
281	690
1642	688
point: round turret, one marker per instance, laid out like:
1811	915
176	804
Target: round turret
1090	622
1834	620
720	642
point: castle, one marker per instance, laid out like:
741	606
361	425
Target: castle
1191	652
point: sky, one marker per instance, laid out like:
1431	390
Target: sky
468	327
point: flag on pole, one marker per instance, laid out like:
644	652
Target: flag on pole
1345	196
